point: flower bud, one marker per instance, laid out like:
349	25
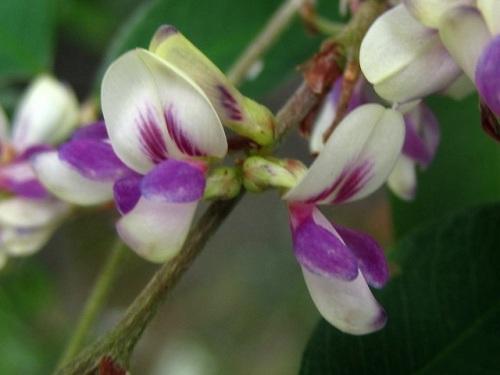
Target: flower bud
223	183
239	113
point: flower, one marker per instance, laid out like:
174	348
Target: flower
338	263
422	46
421	136
151	153
28	213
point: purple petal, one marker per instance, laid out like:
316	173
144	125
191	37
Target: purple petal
29	189
422	135
94	159
127	192
370	257
96	130
174	181
33	150
488	76
19	178
320	251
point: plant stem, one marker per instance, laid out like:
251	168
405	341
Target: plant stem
94	303
274	27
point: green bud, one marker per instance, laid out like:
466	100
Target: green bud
223	183
261	173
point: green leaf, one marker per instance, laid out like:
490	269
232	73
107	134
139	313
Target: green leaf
443	308
223	29
26	38
465	170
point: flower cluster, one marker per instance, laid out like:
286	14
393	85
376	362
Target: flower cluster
29	214
422	47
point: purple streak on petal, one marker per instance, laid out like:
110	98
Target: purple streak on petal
127	192
322	252
422	135
230	104
151	140
370	257
165	31
350	181
96	130
94	159
175	130
174	181
488	75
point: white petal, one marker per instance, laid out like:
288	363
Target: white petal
428	12
490	10
403	180
465	35
28	213
156	230
25	241
405	60
348	305
140	94
47	114
460	88
67	184
369	139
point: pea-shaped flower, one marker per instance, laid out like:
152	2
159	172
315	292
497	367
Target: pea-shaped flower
160	134
339	263
28	213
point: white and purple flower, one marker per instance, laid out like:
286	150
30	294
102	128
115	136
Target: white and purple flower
423	46
338	263
151	153
421	137
29	214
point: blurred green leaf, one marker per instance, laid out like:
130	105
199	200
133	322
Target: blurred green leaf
222	30
26	38
443	309
466	169
26	292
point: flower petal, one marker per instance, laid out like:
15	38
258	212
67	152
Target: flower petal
422	135
241	114
174	181
488	77
405	60
317	245
67	183
127	192
47	114
154	111
403	180
19	178
28	213
94	159
428	12
25	241
369	255
490	9
357	158
96	130
465	35
156	230
348	305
